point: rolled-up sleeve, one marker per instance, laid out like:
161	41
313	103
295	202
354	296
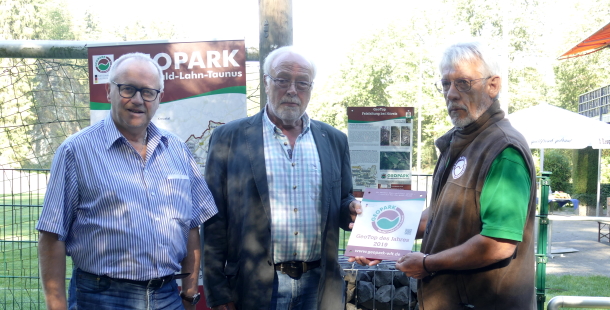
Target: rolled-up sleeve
61	198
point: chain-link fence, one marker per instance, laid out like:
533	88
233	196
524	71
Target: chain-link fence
21	195
43	102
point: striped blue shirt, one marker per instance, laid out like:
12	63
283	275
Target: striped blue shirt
120	215
294	178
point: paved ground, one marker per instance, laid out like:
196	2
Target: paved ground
592	257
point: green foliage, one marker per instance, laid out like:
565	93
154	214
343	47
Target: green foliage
527	86
388	69
585	199
144	29
39	99
559	164
35	20
482	16
605	175
377	73
20	20
580	75
584	174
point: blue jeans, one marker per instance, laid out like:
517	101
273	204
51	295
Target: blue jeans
291	294
88	291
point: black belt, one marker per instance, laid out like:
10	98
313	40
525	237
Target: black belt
152	283
296	269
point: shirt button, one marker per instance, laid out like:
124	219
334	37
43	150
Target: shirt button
152	194
285	143
293	164
294	187
294	254
295	209
296	233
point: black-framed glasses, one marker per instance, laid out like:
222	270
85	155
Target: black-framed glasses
128	91
284	84
461	85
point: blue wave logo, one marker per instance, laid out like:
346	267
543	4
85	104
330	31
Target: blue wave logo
388	221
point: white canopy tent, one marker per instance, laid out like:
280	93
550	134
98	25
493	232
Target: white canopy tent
548	126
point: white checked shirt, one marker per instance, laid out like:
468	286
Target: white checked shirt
294	178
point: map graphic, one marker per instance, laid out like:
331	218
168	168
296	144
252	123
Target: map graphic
194	119
199	144
394	160
365	177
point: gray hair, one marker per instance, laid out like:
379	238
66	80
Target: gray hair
291	50
470	52
139	56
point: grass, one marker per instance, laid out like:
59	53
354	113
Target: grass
19	284
577	286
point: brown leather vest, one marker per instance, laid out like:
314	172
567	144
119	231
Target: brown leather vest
466	156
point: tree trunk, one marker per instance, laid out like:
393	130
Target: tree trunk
275	22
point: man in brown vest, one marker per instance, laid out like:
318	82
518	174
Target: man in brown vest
477	249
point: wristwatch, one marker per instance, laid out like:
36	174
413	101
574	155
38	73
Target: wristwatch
193	299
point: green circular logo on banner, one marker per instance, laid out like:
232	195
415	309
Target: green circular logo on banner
103	63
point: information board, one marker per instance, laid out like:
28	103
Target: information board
380	142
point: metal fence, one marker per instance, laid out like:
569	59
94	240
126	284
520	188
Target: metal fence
21	196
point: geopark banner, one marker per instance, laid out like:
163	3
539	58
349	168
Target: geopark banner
205	86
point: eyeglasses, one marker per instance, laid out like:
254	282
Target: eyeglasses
128	91
461	85
284	84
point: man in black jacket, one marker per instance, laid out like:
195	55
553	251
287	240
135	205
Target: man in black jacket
283	186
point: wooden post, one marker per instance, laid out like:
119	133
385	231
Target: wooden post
275	26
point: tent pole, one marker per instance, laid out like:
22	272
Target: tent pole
541	160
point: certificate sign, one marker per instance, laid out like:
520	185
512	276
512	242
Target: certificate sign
387	226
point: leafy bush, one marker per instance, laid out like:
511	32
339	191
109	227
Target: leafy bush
586	199
558	162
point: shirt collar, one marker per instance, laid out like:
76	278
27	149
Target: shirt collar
113	134
269	125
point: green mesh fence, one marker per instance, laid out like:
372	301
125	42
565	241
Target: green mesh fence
43	101
21	195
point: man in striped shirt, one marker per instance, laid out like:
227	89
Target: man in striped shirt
283	186
125	200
